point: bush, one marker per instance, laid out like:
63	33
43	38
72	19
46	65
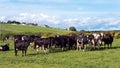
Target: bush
72	29
117	35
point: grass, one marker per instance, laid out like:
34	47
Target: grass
106	58
30	29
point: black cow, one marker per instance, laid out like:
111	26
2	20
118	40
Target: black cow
44	43
21	45
108	39
29	38
59	41
71	41
4	47
18	37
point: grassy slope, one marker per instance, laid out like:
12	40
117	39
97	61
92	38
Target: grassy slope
107	58
33	29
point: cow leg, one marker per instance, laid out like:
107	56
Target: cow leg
99	46
110	45
15	52
62	49
79	47
25	52
22	52
45	50
37	48
107	45
91	46
104	45
69	46
84	47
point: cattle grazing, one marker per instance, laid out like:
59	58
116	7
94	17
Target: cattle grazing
91	41
59	41
71	41
108	39
5	38
18	37
21	45
82	42
42	43
4	47
97	41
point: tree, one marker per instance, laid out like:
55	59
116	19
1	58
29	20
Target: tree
12	22
9	22
72	28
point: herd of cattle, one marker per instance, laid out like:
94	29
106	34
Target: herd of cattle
78	42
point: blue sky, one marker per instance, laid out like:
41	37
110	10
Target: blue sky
82	14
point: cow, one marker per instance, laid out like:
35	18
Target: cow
25	37
5	38
82	42
91	41
71	41
97	41
59	41
18	37
107	39
41	42
21	45
4	47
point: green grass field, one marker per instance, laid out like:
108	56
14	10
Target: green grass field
17	29
106	58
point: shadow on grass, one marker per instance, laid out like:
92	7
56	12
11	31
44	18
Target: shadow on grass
105	48
58	50
51	50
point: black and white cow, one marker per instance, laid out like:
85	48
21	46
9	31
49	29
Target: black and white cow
5	38
4	47
42	43
82	42
21	44
97	40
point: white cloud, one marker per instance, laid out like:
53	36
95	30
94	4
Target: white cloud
95	23
35	18
86	23
2	18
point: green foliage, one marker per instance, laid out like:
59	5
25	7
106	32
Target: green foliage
117	35
13	22
72	29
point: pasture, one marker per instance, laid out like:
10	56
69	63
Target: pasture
20	29
104	58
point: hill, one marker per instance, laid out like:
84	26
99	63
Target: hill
18	29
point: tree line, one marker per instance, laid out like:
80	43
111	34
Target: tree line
17	22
